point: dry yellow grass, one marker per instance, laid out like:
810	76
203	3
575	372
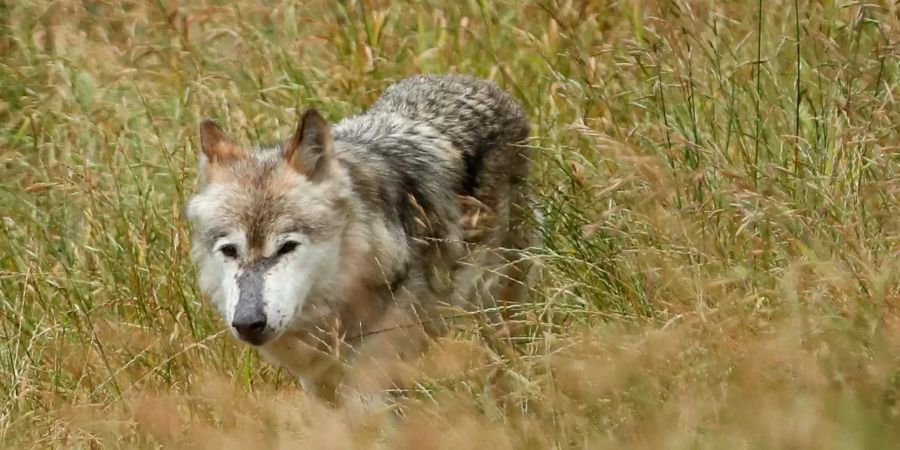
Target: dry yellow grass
721	255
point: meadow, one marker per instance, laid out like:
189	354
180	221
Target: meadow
720	256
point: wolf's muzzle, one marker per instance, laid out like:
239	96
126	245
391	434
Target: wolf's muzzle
250	315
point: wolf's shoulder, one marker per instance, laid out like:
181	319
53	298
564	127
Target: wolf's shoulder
442	86
385	129
472	112
424	96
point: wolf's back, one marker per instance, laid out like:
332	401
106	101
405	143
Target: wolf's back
474	114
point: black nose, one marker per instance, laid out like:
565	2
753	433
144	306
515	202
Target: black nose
251	327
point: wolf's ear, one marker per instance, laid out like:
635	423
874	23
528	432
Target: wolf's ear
310	150
216	149
217	146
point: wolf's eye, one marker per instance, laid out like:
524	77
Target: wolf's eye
287	247
230	251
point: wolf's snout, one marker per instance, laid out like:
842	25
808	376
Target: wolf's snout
250	316
251	327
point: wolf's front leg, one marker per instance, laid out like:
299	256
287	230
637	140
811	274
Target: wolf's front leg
383	357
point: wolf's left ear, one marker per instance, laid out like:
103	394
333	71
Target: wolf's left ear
310	150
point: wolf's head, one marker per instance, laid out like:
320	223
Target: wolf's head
267	226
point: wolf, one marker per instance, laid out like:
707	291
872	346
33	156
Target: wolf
345	248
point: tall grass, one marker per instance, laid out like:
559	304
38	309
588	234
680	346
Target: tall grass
720	253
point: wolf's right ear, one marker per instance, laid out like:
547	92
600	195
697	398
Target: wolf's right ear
216	149
310	150
217	146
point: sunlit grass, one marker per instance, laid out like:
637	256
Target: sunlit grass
721	244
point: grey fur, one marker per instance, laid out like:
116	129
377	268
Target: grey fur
407	164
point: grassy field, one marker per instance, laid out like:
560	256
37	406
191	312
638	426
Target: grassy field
721	255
